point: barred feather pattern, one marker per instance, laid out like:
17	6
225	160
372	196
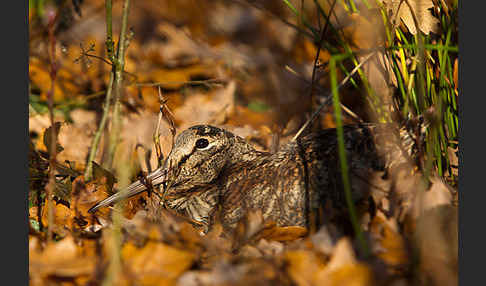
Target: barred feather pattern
230	176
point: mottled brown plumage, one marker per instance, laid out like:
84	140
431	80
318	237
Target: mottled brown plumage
212	169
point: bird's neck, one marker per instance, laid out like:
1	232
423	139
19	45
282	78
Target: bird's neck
242	153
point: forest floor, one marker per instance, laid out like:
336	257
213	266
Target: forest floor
233	64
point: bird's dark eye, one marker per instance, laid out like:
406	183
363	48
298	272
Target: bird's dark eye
202	143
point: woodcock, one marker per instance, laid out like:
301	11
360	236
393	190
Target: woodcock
211	169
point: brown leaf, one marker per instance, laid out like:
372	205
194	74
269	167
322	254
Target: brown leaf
76	137
206	108
438	194
392	248
40	77
426	21
86	195
63	218
350	275
48	136
365	31
286	233
437	240
323	241
343	268
305	51
62	259
156	263
270	248
303	266
343	255
102	175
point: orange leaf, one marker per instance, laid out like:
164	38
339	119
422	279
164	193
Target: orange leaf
156	263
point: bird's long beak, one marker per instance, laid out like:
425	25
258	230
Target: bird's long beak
155	178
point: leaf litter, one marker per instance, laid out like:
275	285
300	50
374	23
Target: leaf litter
157	246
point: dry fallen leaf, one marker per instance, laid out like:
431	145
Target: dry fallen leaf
365	31
204	108
381	78
62	220
266	66
343	268
76	137
391	245
436	237
426	21
61	259
343	254
40	77
303	265
156	263
438	194
323	241
349	275
287	233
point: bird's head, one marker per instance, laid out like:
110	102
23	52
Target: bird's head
197	159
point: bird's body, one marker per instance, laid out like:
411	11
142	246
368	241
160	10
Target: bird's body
210	169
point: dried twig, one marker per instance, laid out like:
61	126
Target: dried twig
206	82
316	59
53	144
327	97
164	112
158	149
272	14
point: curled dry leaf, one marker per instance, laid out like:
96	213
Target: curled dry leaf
286	233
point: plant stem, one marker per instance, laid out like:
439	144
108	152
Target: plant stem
53	144
116	79
101	127
115	242
110	45
343	158
119	67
